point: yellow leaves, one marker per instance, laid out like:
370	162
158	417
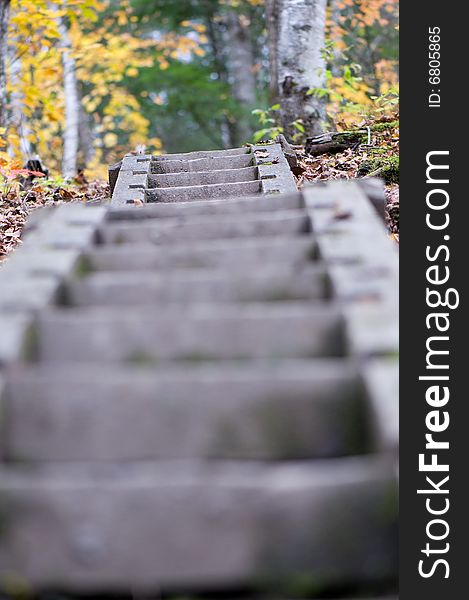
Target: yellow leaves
155	144
90	14
199	28
91	105
110	140
31	96
386	73
105	51
163	63
122	18
5	159
50	71
13	138
53	115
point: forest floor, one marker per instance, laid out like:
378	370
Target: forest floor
380	158
15	204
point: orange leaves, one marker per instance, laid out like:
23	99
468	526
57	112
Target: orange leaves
346	15
12	174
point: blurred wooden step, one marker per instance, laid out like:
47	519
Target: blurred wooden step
231	255
195	333
216	162
203	178
202	192
201	154
293	410
269	283
198	526
281	223
225	206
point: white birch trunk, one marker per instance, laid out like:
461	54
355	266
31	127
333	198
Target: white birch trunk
72	106
16	117
301	65
4	18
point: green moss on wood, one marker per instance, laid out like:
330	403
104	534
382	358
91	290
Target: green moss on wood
350	137
141	358
83	267
385	167
30	345
385	126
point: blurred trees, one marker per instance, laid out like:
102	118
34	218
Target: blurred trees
88	80
4	15
214	93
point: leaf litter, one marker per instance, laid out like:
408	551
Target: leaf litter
17	203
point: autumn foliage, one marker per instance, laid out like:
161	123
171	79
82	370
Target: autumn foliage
106	47
115	43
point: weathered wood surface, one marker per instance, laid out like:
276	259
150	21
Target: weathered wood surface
334	142
174	375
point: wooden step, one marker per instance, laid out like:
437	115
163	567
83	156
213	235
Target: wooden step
205	163
203	178
201	154
167	231
190	525
293	410
224	206
231	255
196	333
202	192
268	283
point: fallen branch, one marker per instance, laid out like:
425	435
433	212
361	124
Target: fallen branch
334	142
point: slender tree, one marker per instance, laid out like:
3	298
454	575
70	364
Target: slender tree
272	10
297	29
240	64
16	117
72	105
4	17
86	150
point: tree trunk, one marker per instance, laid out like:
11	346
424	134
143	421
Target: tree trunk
17	118
335	39
85	134
301	65
272	10
240	61
216	44
4	17
72	106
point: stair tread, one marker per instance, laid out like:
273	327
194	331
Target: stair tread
216	253
298	409
290	222
273	283
244	204
196	332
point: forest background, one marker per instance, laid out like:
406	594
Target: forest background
83	82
